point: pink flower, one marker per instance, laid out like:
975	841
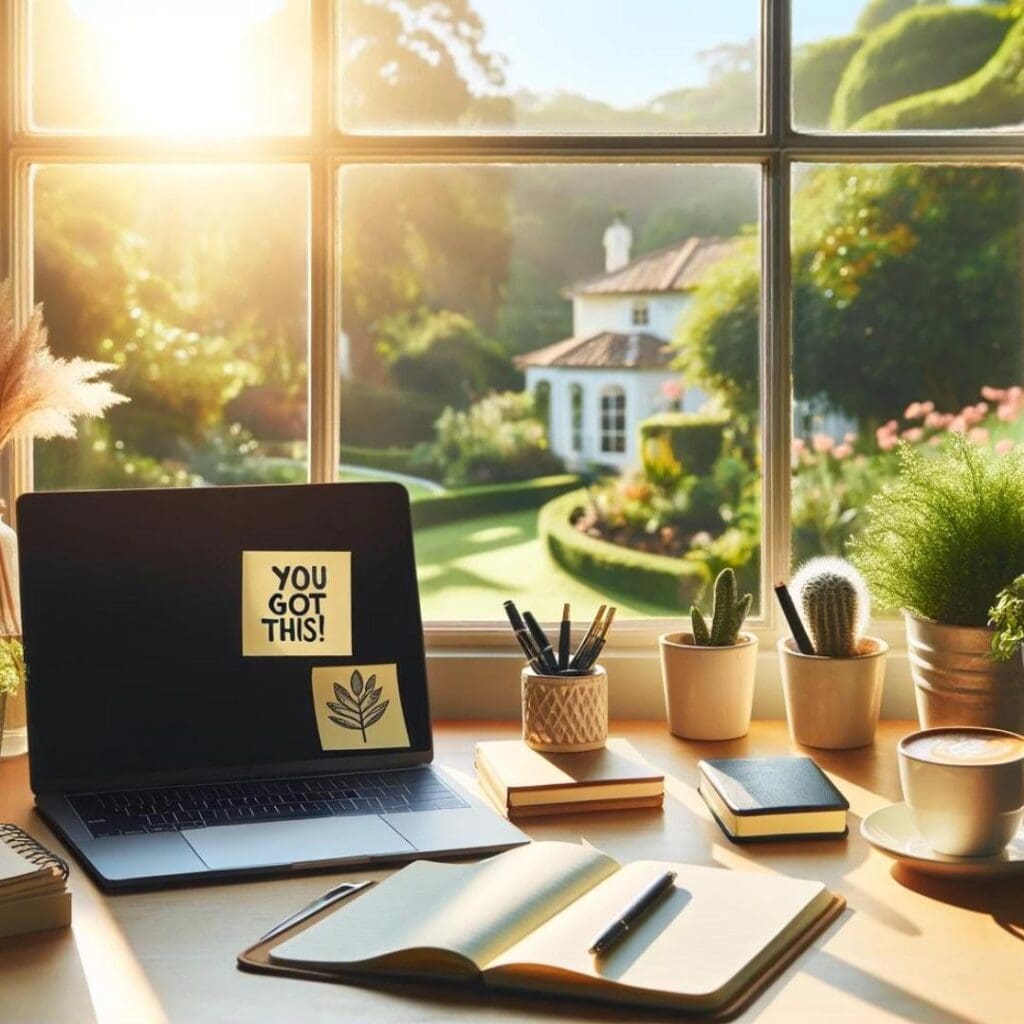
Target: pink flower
1015	393
887	441
958	425
935	441
822	443
979	435
1003	447
672	390
938	420
914	411
971	415
799	445
850	438
842	451
993	394
913	434
1008	411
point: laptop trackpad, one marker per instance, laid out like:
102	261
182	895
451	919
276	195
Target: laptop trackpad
327	840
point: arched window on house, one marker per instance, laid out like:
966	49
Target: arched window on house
613	420
576	417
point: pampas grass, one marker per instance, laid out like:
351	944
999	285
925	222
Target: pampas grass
40	393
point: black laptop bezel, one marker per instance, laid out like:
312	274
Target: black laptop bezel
41	783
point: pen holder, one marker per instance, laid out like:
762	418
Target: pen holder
565	714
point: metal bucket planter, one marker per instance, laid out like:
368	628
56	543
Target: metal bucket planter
955	681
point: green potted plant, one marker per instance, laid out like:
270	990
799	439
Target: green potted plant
941	542
12	674
833	696
1006	617
708	672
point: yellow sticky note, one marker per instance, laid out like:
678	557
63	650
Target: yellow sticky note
296	603
359	707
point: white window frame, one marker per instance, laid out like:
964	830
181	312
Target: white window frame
773	148
611	411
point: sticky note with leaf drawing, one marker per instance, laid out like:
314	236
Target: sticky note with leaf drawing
359	707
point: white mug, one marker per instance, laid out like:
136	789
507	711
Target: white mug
965	787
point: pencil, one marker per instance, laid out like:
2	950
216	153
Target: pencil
796	625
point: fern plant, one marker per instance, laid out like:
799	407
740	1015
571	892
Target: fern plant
947	535
727	616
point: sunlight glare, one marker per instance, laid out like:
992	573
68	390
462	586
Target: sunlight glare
178	66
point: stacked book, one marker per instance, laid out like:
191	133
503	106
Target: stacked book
33	890
523	783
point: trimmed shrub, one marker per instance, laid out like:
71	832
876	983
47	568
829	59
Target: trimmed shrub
674	444
410	461
470	502
672	582
992	96
877	13
817	71
900	60
376	417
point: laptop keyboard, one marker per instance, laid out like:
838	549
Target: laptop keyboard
140	811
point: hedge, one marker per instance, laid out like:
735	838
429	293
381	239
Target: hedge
923	49
673	582
373	415
394	460
817	71
694	441
470	502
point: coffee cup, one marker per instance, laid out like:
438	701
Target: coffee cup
965	787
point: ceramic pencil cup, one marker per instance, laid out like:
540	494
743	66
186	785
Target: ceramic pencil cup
564	714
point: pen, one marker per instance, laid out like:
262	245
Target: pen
533	656
564	639
540	639
655	892
796	625
590	655
574	662
320	903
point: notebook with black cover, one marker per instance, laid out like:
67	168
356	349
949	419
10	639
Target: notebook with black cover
764	798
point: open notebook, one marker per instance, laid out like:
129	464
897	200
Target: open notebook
525	919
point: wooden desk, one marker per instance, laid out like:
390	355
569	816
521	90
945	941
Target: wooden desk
921	951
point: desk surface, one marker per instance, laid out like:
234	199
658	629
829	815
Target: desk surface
907	948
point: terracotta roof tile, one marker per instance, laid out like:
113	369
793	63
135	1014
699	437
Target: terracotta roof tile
604	350
676	268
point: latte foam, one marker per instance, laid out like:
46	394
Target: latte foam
965	747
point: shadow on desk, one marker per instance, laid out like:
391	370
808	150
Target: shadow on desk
1003	900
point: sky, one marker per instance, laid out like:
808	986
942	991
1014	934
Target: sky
625	53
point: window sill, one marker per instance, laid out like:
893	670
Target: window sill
474	672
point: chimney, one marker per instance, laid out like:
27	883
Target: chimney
618	240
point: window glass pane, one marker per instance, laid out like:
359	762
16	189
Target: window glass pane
543	66
489	347
184	67
907	326
906	65
192	283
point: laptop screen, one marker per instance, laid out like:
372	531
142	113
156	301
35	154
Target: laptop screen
212	632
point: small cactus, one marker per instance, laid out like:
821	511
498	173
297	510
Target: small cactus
833	599
727	615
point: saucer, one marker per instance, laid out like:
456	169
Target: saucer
892	830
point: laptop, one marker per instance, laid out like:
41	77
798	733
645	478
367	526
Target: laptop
230	681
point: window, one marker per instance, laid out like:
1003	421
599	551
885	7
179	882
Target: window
613	420
353	238
576	417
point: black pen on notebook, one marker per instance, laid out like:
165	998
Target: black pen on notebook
796	625
643	904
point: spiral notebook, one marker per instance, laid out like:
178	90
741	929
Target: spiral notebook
33	890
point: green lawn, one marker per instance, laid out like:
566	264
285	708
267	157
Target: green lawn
357	475
467	569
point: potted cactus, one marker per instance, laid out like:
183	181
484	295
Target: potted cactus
708	672
833	696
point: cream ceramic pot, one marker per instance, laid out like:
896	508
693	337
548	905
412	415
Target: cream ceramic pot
565	714
833	703
709	691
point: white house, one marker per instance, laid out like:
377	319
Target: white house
615	369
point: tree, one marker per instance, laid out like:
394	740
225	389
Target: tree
444	357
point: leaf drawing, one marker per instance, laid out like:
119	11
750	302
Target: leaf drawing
359	709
